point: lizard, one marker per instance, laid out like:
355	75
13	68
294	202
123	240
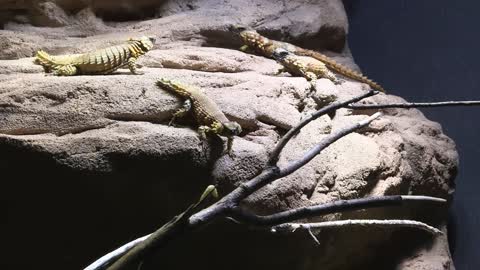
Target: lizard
307	67
102	61
209	117
257	43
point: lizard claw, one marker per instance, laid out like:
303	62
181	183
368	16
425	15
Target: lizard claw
231	154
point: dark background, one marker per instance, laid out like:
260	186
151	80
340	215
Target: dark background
427	50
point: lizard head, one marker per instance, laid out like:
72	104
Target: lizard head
169	84
249	37
238	28
145	43
246	33
231	129
280	54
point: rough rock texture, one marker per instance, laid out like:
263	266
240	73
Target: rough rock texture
88	162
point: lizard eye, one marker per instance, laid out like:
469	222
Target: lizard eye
238	29
152	39
280	53
241	28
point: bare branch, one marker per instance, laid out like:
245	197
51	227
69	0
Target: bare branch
325	110
333	137
231	201
407	105
135	250
391	223
270	174
160	237
229	205
109	258
328	208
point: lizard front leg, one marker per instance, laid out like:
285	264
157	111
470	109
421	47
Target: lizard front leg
244	48
215	128
186	107
280	71
202	132
311	77
229	145
306	73
67	70
326	73
132	66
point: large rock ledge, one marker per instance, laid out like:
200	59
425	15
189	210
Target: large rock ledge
89	162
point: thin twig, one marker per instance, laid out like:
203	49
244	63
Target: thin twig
406	105
270	174
315	239
393	223
293	166
325	110
340	206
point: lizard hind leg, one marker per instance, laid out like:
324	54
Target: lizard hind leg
186	108
229	146
280	71
132	66
66	70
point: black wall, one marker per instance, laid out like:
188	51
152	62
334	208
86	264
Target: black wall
428	50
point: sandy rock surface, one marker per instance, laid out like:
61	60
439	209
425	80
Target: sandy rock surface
89	162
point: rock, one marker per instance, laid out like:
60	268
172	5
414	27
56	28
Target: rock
89	162
49	14
431	258
186	22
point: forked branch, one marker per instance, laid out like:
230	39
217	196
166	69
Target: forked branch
229	205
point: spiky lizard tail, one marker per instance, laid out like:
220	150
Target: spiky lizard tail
347	72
